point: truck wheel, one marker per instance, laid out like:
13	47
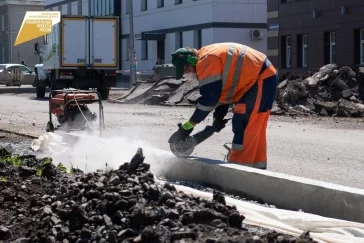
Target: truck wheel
104	93
40	91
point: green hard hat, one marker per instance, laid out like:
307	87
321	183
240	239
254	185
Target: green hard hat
180	58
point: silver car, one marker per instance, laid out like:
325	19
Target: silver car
16	75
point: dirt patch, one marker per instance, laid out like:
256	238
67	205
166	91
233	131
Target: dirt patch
42	203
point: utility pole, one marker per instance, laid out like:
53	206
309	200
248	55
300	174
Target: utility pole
131	45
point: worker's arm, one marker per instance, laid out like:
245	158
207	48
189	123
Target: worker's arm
209	71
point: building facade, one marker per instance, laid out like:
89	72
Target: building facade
307	34
84	7
12	13
162	26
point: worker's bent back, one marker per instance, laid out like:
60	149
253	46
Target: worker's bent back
237	65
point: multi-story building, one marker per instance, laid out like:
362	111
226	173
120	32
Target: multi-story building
161	27
84	7
12	13
307	34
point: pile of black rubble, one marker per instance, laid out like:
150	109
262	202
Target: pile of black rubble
331	91
123	205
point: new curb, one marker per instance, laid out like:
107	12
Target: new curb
283	191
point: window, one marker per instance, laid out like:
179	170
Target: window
332	47
144	5
304	51
3	22
362	46
179	40
285	51
160	4
198	39
288	52
69	8
177	2
93	7
24	69
144	50
79	7
127	51
111	7
127	4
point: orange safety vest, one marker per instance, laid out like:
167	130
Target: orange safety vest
238	66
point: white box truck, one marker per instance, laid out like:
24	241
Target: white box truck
81	52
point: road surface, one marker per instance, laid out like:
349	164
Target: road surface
323	149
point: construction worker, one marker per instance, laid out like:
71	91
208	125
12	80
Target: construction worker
231	73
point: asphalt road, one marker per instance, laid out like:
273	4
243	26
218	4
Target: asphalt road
327	149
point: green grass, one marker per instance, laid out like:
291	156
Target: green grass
13	160
17	161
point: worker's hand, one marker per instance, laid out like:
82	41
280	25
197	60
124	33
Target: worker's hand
184	130
219	114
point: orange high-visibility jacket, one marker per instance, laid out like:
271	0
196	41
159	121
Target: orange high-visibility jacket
225	71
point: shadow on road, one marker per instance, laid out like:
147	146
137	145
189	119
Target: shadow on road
39	99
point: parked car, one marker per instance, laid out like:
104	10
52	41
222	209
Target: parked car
16	75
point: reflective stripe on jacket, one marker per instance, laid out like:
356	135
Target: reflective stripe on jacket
226	71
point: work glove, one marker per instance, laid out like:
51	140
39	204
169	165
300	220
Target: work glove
219	124
220	112
183	132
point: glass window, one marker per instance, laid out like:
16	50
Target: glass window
288	52
144	5
332	47
179	40
92	2
64	9
24	69
160	4
107	8
97	8
144	50
69	8
112	7
74	8
362	46
127	51
3	22
127	4
197	39
304	51
79	7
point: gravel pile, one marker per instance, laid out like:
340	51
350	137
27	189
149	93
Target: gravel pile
166	91
40	202
332	91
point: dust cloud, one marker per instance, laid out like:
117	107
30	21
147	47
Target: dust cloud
91	152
